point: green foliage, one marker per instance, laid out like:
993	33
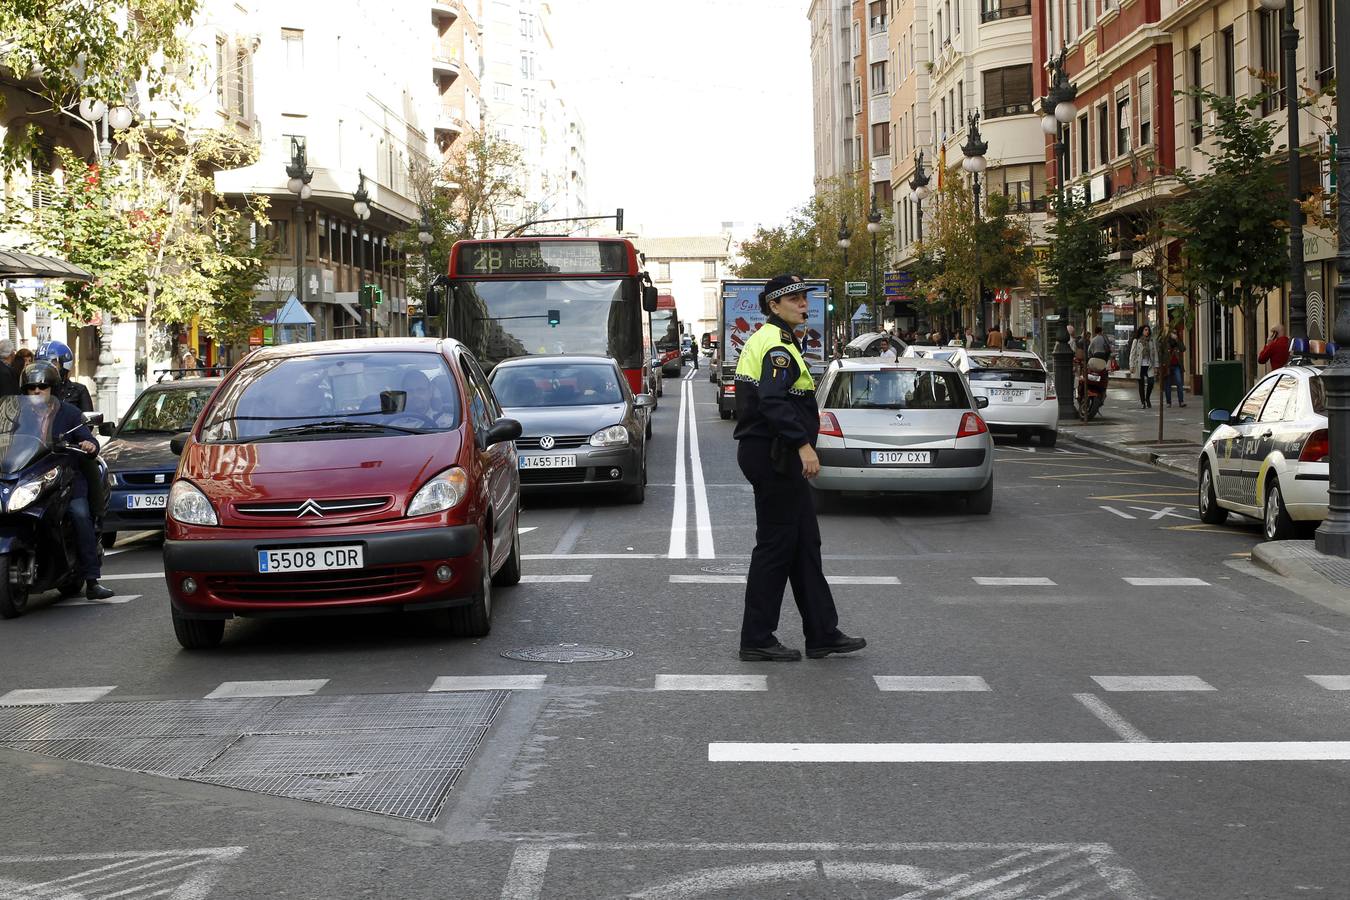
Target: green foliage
1077	261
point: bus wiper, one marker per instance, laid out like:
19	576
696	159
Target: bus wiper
313	427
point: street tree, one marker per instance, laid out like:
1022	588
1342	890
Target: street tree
1078	264
1232	221
1005	238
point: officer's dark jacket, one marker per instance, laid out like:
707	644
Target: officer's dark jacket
76	394
69	417
775	394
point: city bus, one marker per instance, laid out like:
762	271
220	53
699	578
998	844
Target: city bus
532	296
665	325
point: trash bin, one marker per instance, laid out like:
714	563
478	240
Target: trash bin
1224	389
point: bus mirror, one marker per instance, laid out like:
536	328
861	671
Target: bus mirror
649	298
432	308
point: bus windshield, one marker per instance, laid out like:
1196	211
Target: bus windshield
501	319
666	330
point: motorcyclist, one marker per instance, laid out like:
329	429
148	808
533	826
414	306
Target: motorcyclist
42	379
70	391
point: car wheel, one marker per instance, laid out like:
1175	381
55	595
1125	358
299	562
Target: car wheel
475	619
1094	406
509	573
1277	525
108	538
1048	437
981	502
649	425
638	492
197	634
1211	513
13	597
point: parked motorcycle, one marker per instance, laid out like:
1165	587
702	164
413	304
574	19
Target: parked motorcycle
38	474
1096	378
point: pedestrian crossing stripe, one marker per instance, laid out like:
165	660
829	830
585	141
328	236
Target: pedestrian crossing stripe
1033	752
292	688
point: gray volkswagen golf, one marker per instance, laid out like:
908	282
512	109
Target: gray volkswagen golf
582	428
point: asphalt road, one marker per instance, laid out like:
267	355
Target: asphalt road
1025	722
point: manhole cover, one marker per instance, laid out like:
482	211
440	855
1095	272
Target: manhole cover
567	653
727	569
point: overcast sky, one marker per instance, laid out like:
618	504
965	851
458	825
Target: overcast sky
697	111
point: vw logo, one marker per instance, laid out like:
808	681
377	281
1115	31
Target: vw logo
546	442
309	507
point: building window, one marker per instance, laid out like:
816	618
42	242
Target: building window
293	40
955	122
1197	106
710	270
239	95
1084	160
960	101
1227	64
1145	110
993	10
526	64
945	120
876	17
663	270
1271	64
881	139
1123	121
857	96
526	25
222	69
1007	91
878	77
857	38
1326	44
1103	134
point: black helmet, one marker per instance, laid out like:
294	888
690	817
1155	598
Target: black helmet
40	373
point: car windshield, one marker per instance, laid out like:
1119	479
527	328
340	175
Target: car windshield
553	384
897	389
1023	369
25	429
338	394
165	411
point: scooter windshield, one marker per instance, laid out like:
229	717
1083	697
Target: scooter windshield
25	429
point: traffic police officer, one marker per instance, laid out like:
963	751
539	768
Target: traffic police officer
777	424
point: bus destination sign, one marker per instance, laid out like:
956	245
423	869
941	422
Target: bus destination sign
543	258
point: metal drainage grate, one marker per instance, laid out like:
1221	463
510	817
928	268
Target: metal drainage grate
133	719
415	795
360	751
376	711
175	757
727	569
567	653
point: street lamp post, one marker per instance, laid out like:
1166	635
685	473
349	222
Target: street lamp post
425	237
873	228
1059	110
974	149
1333	536
1298	294
298	179
844	239
918	184
365	298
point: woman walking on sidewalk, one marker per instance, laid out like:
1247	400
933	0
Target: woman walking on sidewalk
1175	374
1144	364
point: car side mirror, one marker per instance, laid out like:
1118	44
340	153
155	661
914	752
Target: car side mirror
643	401
93	418
981	402
502	430
1222	416
178	442
107	429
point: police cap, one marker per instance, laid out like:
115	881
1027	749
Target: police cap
780	286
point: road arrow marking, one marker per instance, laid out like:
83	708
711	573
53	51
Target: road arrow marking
1116	512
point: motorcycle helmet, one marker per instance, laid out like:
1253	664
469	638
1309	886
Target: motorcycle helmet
56	353
40	373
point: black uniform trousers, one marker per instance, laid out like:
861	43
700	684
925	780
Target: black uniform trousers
787	549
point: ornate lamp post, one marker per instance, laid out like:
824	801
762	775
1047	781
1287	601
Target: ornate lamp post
974	150
366	297
1298	294
918	185
1333	536
298	179
425	237
1059	110
844	239
873	229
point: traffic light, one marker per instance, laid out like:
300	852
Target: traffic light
379	294
554	318
372	295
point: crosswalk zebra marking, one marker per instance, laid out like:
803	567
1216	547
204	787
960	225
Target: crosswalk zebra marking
302	687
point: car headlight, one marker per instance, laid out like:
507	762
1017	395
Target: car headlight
613	436
30	489
187	504
443	492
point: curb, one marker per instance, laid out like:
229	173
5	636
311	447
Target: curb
1290	559
1148	457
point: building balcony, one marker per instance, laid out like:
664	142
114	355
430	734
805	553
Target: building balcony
1007	10
444	13
447	124
444	63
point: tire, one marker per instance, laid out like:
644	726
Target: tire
509	573
1207	503
1276	524
475	619
1048	437
13	598
197	634
981	502
1094	406
638	492
108	538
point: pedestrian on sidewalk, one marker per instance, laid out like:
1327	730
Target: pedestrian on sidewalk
994	339
1144	364
777	422
9	381
1176	367
1276	350
1100	345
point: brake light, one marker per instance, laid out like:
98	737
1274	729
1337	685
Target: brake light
971	425
829	425
1050	387
1317	449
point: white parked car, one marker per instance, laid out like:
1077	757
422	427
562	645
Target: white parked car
910	426
1268	458
1020	390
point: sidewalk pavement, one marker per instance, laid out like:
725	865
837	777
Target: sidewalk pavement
1301	562
1123	429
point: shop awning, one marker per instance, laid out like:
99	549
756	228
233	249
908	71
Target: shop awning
14	264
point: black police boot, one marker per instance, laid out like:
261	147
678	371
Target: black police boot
95	591
774	653
840	643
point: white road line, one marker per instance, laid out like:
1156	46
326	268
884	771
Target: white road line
990	581
679	513
703	522
488	683
1125	683
1157	514
115	600
301	687
1067	752
34	696
712	682
527	529
924	683
1167	582
1110	718
707	579
862	579
555	579
838	580
1114	511
1331	682
593	556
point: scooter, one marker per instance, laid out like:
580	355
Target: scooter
38	474
1096	378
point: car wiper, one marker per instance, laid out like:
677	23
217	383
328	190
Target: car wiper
319	427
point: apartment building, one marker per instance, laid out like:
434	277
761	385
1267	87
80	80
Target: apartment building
851	103
455	103
690	269
911	131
